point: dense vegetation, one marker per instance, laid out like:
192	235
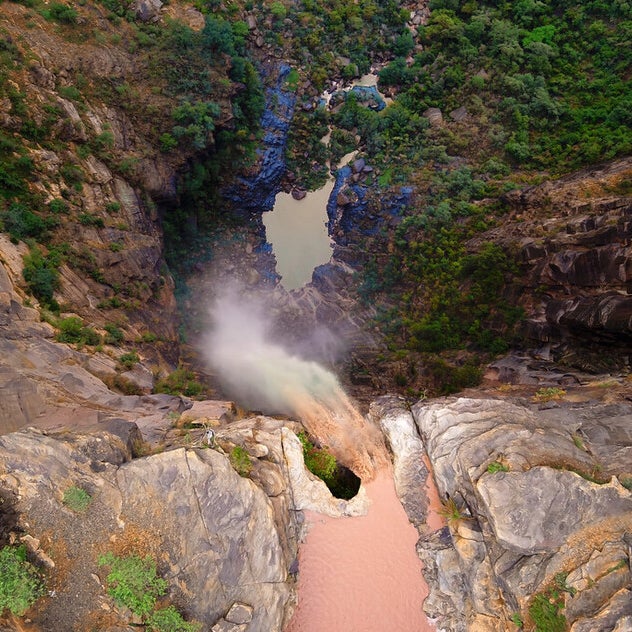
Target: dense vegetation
524	88
20	582
133	582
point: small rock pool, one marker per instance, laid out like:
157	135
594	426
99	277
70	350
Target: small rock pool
297	230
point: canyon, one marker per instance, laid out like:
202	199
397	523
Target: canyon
110	383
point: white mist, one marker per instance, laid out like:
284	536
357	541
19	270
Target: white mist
263	375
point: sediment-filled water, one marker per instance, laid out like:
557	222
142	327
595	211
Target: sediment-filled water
297	230
362	574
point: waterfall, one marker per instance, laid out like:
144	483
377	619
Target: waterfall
262	374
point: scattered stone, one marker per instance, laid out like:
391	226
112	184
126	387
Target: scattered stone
225	626
147	10
459	114
298	194
207	413
435	116
239	613
358	165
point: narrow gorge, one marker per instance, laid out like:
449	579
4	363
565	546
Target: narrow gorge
315	316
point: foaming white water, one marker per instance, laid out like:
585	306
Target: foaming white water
264	375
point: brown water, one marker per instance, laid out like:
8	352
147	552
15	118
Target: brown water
297	230
335	422
362	574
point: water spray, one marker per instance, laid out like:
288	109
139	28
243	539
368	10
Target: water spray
262	374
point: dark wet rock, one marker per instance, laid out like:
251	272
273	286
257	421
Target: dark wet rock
255	194
358	165
355	209
367	96
299	194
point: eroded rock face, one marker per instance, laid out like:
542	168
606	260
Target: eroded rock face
217	537
524	512
255	193
572	240
217	531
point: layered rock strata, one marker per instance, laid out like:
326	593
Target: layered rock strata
534	503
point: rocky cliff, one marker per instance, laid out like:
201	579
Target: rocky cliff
218	539
571	237
538	508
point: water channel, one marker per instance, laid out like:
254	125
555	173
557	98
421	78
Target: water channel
297	229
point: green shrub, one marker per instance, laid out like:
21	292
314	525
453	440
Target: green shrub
318	461
20	582
72	330
41	276
545	612
626	481
114	335
167	142
21	222
546	608
73	175
180	382
132	582
62	13
113	207
121	384
69	92
240	460
89	219
497	466
170	620
58	206
128	360
77	499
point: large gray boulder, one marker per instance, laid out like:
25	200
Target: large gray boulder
216	529
535	503
216	537
538	510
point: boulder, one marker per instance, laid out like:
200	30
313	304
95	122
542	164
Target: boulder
147	10
434	116
214	535
239	613
538	510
